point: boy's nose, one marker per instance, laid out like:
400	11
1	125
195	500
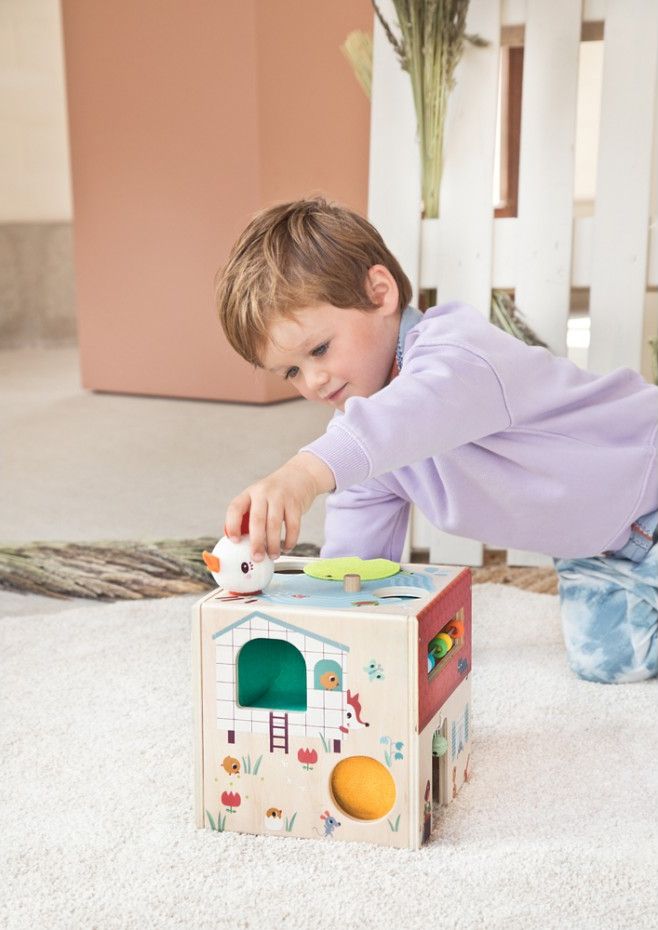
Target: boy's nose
317	379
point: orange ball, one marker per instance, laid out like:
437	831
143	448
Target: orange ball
363	788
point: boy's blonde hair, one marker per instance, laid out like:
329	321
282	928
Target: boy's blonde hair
297	255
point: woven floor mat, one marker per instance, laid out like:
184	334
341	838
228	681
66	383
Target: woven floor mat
131	570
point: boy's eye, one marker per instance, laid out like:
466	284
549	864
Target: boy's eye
316	353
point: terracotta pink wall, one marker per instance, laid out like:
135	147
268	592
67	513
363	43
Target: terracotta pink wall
313	117
185	118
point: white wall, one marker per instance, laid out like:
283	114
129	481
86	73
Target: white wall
34	152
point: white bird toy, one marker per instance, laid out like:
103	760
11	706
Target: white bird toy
233	568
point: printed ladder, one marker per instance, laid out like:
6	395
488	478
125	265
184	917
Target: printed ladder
278	732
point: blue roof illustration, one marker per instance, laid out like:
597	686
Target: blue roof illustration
281	623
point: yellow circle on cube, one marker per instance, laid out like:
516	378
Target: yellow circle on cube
367	569
363	788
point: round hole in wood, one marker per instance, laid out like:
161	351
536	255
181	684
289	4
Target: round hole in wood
398	591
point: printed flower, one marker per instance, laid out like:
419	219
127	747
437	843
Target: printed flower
231	800
307	757
394	750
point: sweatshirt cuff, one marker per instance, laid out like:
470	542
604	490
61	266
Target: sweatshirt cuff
347	459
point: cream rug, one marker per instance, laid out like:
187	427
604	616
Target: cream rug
556	829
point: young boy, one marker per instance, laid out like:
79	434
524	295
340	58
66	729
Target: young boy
490	438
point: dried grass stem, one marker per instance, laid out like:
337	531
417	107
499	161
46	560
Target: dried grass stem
432	36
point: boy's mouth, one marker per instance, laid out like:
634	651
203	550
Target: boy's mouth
332	398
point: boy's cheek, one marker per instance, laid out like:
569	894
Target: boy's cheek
303	391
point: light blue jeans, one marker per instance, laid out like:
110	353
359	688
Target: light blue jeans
609	607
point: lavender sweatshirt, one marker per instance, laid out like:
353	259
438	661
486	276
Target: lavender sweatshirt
493	440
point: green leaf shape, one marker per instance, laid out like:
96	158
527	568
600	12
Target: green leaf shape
367	569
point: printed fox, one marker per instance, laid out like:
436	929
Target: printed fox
353	719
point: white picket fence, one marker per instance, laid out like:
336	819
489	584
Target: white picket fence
547	248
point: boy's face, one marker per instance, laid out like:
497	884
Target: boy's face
329	353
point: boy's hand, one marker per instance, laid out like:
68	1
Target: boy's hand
281	497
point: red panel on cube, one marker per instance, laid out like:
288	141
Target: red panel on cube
434	689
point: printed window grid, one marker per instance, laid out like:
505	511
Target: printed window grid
275	632
314	650
224	653
227	657
333	700
225	691
315	717
333	718
315	698
240	636
225	672
331	653
225	709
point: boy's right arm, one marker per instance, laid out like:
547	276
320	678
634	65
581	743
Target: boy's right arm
445	397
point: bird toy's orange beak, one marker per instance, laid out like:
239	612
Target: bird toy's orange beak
211	561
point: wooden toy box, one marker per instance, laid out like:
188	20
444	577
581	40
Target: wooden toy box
316	714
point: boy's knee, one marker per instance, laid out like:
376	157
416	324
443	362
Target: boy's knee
611	636
624	673
611	653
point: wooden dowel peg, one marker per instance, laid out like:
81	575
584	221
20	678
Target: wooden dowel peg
352	583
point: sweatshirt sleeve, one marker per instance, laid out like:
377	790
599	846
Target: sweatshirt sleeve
445	396
367	521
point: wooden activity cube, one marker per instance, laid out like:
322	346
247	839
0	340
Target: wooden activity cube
316	715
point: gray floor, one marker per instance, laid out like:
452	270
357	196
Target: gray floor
82	466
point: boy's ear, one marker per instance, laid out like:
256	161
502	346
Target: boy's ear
382	289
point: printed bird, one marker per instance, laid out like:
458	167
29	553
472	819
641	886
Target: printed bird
273	818
329	681
231	765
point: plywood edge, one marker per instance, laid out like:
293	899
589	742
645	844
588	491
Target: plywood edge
415	820
197	703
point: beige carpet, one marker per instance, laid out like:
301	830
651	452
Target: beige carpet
556	829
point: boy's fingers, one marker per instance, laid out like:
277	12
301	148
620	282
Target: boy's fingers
274	521
292	531
257	530
234	513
